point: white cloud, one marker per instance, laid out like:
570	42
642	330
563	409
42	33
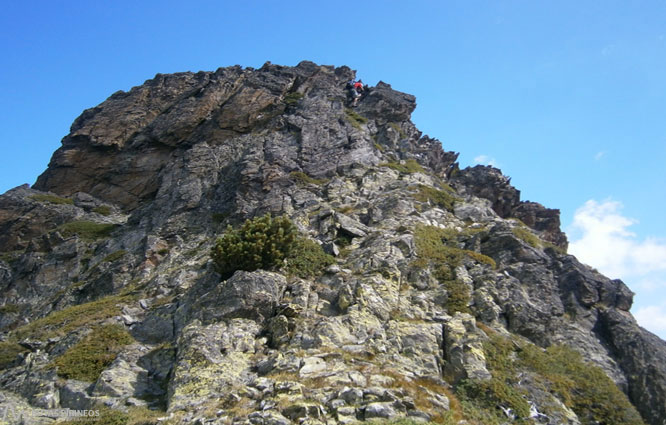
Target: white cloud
606	243
599	155
486	160
653	318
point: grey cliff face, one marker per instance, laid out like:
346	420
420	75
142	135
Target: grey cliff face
437	271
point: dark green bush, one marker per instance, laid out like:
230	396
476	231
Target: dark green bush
268	243
260	243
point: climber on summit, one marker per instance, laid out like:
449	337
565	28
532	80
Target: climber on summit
356	90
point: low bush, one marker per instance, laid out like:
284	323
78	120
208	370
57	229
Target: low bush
292	98
260	243
307	259
9	351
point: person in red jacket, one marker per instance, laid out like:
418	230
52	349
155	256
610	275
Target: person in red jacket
357	91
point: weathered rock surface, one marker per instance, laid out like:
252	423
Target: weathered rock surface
119	228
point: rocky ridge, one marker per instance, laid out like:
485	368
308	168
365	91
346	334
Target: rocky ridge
444	291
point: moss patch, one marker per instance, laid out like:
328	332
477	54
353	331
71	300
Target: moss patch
87	359
88	230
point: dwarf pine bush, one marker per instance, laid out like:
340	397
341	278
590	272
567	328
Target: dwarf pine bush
268	243
260	243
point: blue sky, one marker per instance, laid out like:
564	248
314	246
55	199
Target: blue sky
565	97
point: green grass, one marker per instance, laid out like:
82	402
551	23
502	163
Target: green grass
440	198
62	322
9	351
52	199
303	179
102	210
410	166
583	387
114	256
355	119
86	360
88	230
527	236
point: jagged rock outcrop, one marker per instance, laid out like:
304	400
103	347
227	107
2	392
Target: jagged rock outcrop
444	285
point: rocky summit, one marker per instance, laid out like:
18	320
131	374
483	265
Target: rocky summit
244	247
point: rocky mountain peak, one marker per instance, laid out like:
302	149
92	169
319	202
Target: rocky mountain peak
407	288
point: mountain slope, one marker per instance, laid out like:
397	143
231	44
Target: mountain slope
439	292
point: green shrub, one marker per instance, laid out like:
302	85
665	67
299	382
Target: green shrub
302	178
307	259
102	210
354	118
292	98
395	126
87	359
440	198
527	236
410	166
9	351
114	256
583	387
432	251
268	243
52	199
10	308
260	243
87	230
